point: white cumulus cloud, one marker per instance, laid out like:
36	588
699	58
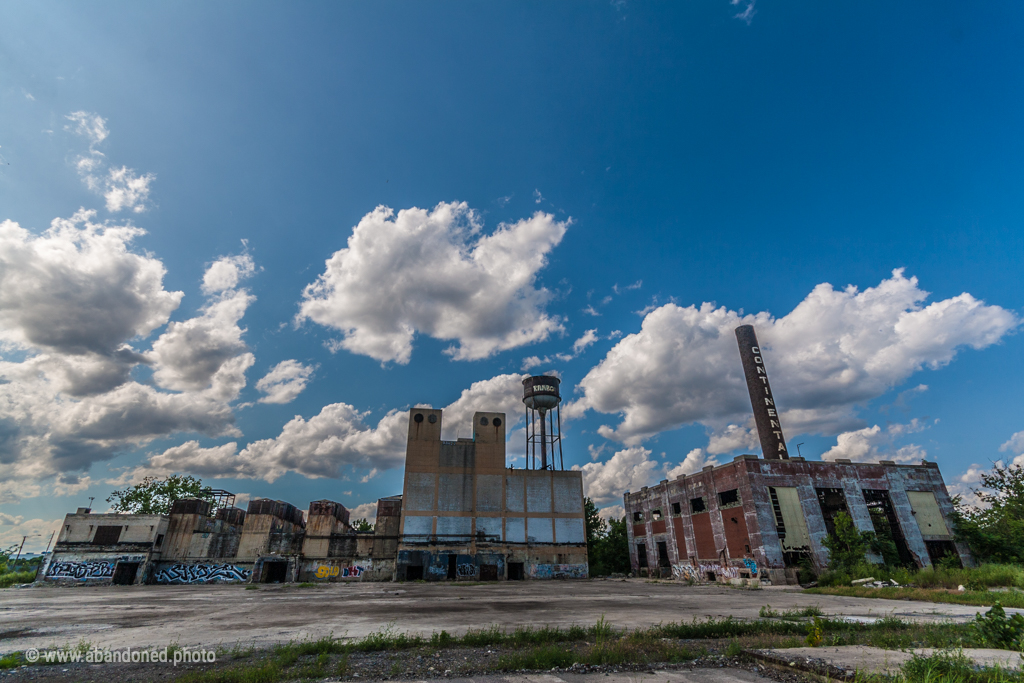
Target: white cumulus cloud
434	272
284	382
872	444
836	350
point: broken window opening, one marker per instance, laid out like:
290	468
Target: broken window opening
638	516
727	498
677	509
886	523
832	502
697	505
655	515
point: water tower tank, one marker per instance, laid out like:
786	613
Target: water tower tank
541	393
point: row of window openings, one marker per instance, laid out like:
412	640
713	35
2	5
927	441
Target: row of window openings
725	499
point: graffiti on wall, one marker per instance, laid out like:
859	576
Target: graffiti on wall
465	569
558	571
699	572
81	571
202	573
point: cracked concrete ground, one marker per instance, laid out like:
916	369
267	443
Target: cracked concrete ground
207	616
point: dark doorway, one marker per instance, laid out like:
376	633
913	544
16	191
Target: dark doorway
641	555
886	524
937	550
515	571
663	554
488	572
275	572
124	573
452	566
414	573
832	502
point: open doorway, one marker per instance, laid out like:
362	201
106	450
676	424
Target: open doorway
414	573
453	564
515	571
124	573
275	572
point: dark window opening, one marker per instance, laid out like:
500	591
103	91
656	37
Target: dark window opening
801	559
677	509
275	572
747	547
832	502
414	573
887	525
107	535
697	505
452	566
497	422
159	540
937	550
656	515
515	571
641	555
711	576
418	417
729	497
638	516
124	573
663	554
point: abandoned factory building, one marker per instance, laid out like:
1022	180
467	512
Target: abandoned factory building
463	516
757	519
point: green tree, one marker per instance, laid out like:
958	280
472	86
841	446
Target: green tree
613	549
155	496
361	525
846	544
994	533
595	525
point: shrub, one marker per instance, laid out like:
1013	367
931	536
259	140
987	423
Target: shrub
997	630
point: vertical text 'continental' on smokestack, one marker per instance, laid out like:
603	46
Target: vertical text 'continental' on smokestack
766	414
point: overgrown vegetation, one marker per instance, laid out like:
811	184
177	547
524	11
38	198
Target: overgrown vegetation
607	543
361	524
994	533
979	598
154	496
15	570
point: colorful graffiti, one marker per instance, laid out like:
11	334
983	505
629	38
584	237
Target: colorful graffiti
353	572
326	572
202	573
81	571
699	572
558	571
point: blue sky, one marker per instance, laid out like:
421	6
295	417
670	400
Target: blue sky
551	169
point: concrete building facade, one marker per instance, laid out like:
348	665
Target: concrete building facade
465	515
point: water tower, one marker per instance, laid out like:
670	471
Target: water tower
540	394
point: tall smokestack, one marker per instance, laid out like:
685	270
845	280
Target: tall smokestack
766	415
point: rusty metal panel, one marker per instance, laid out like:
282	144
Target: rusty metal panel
639	530
677	527
704	537
658	527
736	538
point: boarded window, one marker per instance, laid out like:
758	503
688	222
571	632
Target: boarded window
927	513
697	505
107	535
